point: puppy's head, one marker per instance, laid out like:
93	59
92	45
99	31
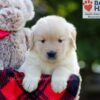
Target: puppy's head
53	38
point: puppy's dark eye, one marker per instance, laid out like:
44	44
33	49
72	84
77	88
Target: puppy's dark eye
43	41
60	40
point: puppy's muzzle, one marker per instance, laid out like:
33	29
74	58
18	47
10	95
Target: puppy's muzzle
51	55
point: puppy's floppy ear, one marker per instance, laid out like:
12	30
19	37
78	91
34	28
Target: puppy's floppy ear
72	35
28	35
32	38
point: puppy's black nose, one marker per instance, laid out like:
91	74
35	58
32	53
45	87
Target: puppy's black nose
51	55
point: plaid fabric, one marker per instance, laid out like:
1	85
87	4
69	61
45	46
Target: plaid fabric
11	88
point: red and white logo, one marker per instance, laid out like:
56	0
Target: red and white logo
91	9
88	5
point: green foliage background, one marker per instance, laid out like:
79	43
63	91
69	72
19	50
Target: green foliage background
88	38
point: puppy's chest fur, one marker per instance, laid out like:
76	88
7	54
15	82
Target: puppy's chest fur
69	64
50	68
12	48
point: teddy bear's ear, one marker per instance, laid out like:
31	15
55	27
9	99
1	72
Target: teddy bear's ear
72	34
30	9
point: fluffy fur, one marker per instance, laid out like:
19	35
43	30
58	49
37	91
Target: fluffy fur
51	33
13	16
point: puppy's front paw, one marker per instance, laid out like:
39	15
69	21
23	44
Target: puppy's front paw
58	84
30	83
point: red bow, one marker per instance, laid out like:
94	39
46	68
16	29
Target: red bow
3	34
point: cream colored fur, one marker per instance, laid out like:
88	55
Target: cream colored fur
51	29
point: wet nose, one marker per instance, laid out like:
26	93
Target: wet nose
51	55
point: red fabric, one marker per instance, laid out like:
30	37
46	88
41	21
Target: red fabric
11	88
3	34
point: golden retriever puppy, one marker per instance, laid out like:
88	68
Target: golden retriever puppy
52	51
